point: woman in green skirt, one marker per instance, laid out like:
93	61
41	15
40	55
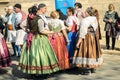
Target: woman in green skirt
37	55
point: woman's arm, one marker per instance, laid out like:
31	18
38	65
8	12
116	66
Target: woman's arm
65	35
69	28
79	42
46	32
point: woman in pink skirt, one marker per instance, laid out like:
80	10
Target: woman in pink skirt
59	40
4	53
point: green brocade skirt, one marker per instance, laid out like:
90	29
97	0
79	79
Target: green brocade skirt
39	58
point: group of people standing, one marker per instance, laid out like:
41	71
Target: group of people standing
11	32
53	44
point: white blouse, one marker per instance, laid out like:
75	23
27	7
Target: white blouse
42	23
18	18
23	24
70	19
9	20
56	22
85	23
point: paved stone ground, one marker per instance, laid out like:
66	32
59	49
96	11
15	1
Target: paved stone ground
109	71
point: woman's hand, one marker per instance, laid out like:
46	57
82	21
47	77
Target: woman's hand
67	42
78	43
51	32
110	20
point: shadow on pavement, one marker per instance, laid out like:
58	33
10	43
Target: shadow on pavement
18	74
15	72
104	48
3	71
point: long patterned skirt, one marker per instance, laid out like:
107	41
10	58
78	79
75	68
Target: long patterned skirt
89	54
39	58
60	48
72	36
5	59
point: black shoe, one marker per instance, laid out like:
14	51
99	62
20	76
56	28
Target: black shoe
107	47
93	70
13	55
34	76
85	72
18	56
113	48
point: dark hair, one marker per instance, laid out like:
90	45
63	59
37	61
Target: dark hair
61	15
78	4
17	6
59	11
71	9
32	10
41	5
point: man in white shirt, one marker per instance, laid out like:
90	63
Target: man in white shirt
17	9
18	19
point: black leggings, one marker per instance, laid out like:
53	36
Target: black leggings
108	41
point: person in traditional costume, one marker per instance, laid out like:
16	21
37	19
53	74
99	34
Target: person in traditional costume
37	56
59	40
79	13
20	17
5	59
10	24
88	55
1	25
72	28
6	28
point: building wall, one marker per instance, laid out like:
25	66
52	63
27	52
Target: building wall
28	3
101	5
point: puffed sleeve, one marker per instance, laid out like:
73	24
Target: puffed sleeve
41	25
69	21
83	29
62	24
94	24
